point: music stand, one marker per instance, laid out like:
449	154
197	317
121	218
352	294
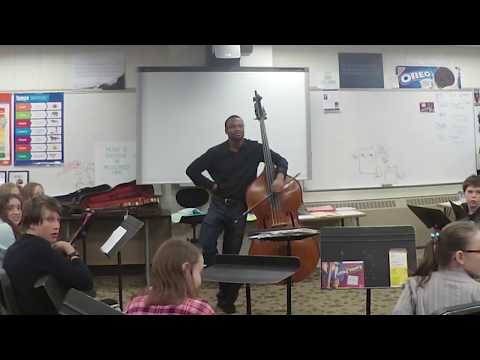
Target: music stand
243	269
120	236
432	218
286	234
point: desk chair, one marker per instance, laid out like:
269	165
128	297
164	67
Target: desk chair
192	197
7	296
464	309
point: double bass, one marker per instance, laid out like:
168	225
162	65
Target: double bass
278	210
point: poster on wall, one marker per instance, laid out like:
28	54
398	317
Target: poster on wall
21	178
38	129
427	107
428	77
115	162
359	70
331	101
5	129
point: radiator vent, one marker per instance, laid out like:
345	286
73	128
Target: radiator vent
430	200
361	205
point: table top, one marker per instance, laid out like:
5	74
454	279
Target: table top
323	215
120	213
331	215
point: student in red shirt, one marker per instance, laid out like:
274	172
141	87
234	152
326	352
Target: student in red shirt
176	278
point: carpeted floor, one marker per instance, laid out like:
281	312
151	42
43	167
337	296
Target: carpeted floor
307	297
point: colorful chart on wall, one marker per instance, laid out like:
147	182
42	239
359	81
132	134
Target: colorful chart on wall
38	132
5	126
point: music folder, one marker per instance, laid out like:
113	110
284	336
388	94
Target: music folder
432	218
127	229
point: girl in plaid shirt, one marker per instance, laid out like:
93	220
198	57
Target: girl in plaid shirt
176	278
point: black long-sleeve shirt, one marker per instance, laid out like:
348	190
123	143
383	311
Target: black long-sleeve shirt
32	257
231	171
475	217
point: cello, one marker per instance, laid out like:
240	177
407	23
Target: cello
278	210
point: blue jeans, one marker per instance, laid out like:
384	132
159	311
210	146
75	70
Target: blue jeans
221	218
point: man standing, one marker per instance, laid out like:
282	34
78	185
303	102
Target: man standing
233	166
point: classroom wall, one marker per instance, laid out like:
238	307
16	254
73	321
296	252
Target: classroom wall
39	67
48	68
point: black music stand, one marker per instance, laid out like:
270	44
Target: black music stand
127	230
288	234
370	244
242	269
432	218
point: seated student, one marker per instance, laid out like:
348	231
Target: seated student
38	253
10	188
31	190
10	216
176	278
447	276
11	211
471	189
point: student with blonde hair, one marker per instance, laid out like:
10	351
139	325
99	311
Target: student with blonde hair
31	190
10	188
176	279
446	277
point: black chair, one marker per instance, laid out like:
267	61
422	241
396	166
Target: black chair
192	197
7	296
464	309
57	294
51	290
79	303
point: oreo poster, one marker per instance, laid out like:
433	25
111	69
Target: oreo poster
428	77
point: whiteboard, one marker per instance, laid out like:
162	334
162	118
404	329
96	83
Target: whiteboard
380	138
90	119
182	113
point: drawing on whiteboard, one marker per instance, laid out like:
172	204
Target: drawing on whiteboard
376	161
82	173
367	161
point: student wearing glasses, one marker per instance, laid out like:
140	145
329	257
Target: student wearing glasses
446	277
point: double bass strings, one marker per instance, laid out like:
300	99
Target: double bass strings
266	197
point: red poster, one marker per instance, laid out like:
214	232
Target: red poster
5	129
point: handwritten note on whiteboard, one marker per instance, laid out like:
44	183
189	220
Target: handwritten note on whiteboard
115	162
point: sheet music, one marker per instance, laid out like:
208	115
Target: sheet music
285	232
113	239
